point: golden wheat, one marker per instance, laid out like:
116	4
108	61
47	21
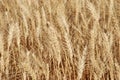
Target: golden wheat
59	40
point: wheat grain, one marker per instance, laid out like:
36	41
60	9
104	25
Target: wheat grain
59	40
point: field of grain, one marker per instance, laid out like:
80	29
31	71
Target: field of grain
59	39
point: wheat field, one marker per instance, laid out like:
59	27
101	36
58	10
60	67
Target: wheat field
59	39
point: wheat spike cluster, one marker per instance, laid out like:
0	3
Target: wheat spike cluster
59	39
